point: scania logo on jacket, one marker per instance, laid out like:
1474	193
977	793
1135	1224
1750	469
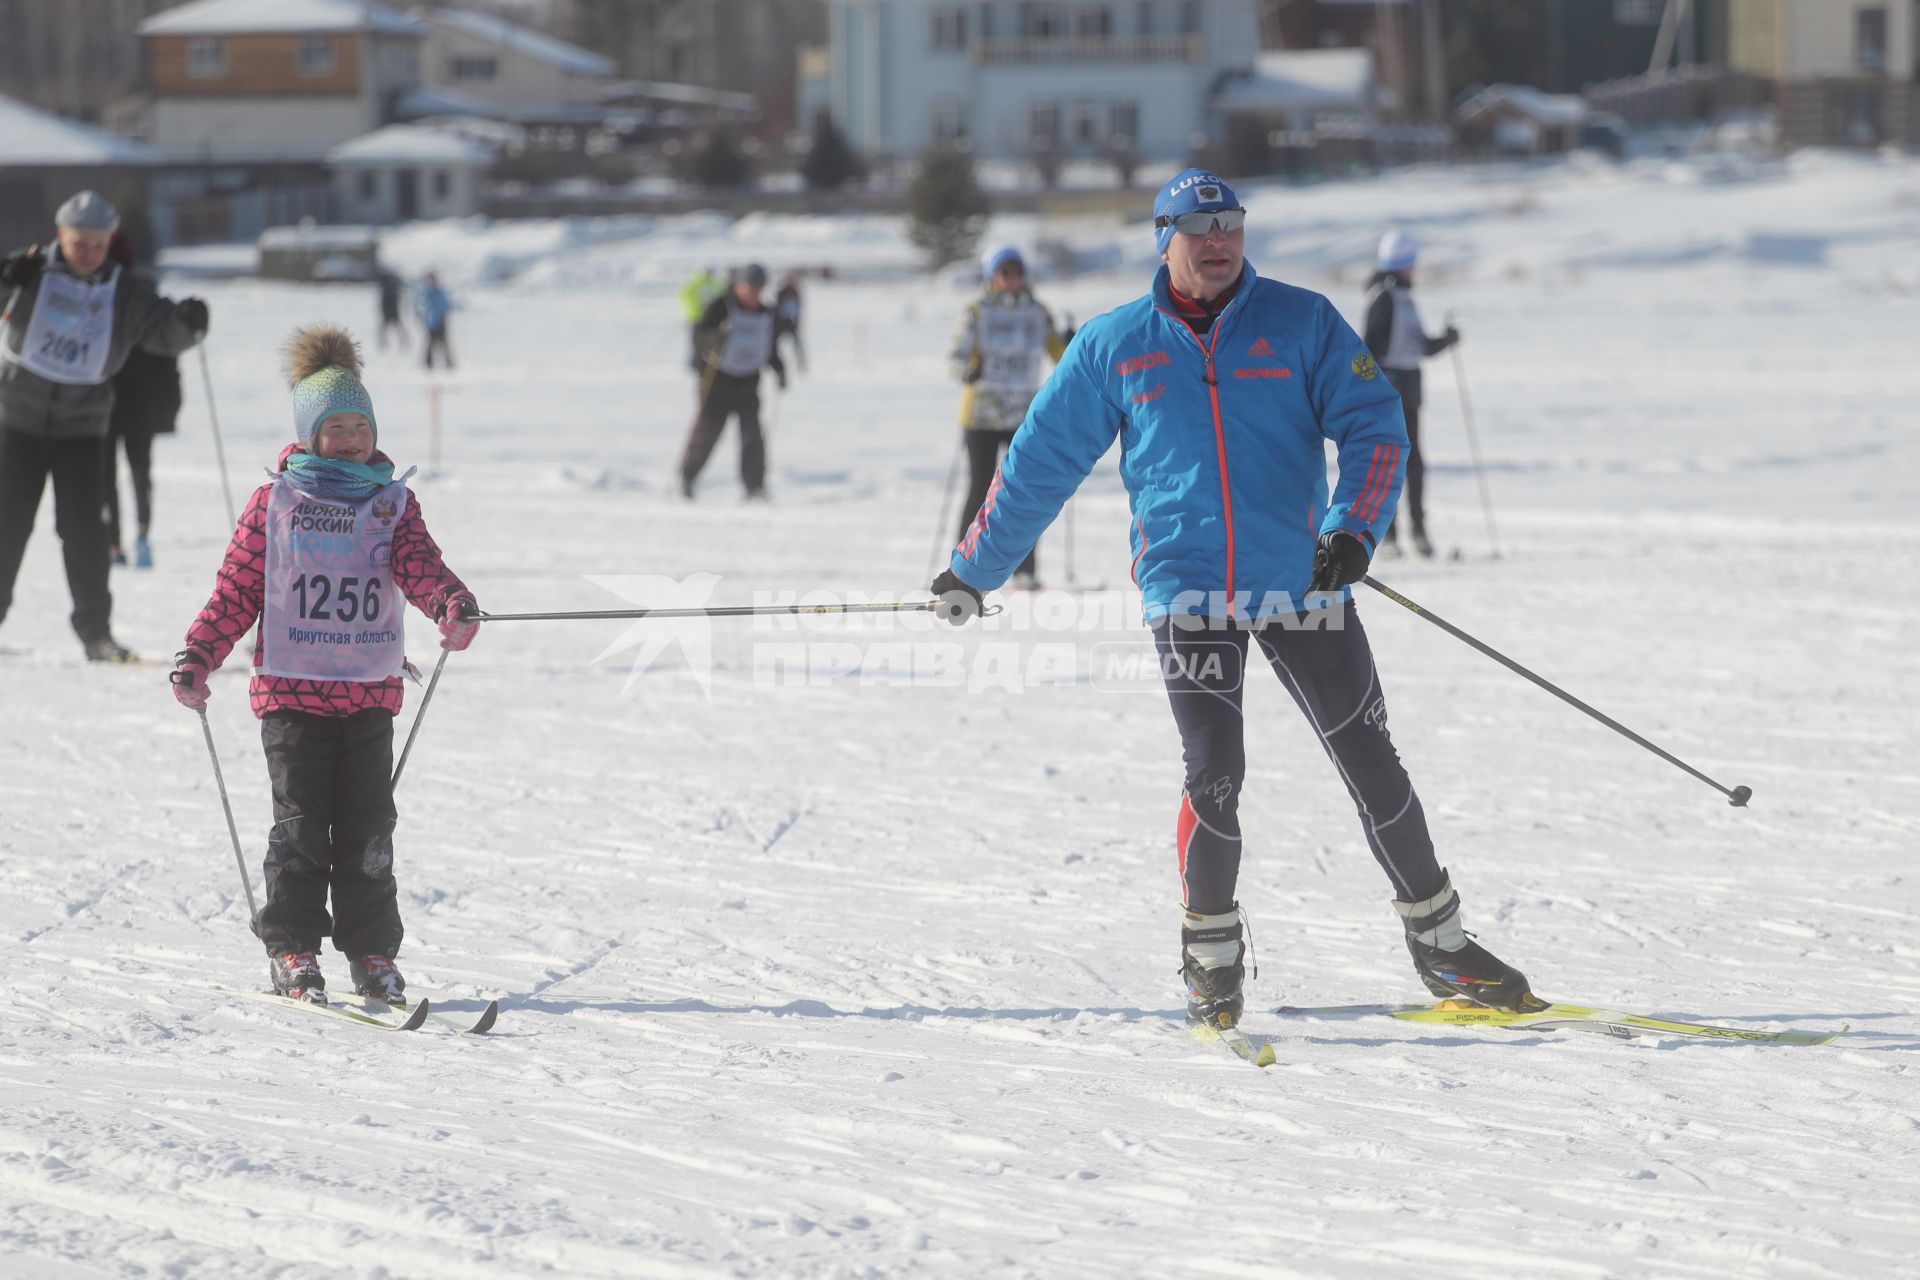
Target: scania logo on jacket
1152	360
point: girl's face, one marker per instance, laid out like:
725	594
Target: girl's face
348	436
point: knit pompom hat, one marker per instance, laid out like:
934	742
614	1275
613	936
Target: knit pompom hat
322	363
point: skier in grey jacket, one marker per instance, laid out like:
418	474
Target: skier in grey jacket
71	317
1398	343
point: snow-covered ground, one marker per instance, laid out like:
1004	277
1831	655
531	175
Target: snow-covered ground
810	968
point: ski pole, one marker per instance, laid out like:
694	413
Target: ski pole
1473	442
725	611
1072	577
1736	796
946	498
418	716
219	449
226	806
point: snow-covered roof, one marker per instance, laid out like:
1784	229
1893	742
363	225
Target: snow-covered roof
691	95
272	17
432	101
518	39
1546	108
1287	78
409	144
30	136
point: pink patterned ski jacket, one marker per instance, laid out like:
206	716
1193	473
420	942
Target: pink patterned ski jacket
239	595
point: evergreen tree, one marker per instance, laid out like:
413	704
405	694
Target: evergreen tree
719	162
948	211
830	163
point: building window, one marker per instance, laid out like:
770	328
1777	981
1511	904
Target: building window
316	56
442	184
984	21
1870	39
1123	124
1143	21
948	124
473	68
1093	20
1190	17
369	185
207	59
1043	123
950	29
1043	21
1085	126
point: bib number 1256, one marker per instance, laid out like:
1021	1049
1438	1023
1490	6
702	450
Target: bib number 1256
345	600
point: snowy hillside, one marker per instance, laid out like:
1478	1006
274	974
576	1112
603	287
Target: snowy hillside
812	968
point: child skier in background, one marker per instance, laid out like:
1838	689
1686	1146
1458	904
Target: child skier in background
321	557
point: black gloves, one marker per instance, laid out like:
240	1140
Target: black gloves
956	602
974	369
1339	561
194	313
1452	336
19	269
780	378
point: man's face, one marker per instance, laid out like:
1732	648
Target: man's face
84	250
747	292
1010	278
1201	266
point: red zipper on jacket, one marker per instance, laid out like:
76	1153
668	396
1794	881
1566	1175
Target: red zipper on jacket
1219	429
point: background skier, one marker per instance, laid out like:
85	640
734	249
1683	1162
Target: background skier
997	356
1398	344
146	403
326	683
71	318
735	338
432	305
1223	388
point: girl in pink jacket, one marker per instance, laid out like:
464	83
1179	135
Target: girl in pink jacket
325	558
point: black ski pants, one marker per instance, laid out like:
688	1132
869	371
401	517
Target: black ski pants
333	820
727	396
138	444
1329	673
984	448
1413	499
436	341
75	466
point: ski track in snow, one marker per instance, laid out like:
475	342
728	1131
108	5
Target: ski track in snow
856	978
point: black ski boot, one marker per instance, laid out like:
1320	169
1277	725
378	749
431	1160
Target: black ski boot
1452	965
104	648
379	978
296	975
1213	957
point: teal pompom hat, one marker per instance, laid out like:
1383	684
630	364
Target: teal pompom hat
323	368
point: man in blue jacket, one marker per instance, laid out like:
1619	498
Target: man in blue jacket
1223	388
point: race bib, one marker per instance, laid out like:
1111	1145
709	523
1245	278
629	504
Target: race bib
71	332
332	611
1011	341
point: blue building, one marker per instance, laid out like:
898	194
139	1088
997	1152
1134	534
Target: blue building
1012	79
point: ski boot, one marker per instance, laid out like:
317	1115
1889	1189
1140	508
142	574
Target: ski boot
104	648
1452	965
1421	545
296	975
142	553
378	978
1213	963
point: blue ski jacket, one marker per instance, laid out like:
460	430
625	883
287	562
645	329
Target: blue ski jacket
1222	449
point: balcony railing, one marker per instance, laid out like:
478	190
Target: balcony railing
1030	50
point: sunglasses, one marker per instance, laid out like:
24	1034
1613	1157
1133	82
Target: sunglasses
1199	224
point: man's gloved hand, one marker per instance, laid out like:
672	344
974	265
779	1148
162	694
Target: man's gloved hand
194	313
19	269
1340	560
780	378
955	601
1452	336
974	369
459	622
189	678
